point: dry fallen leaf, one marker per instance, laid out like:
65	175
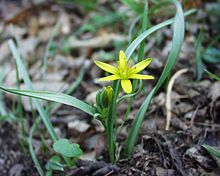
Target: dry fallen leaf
97	42
78	126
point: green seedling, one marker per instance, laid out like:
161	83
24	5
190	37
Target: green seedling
64	148
67	149
54	164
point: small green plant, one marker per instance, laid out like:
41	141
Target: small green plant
54	164
66	149
107	98
208	54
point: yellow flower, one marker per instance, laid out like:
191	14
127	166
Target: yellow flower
124	71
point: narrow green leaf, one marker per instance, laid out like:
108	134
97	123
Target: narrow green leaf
28	83
3	111
116	86
137	7
47	52
54	106
131	95
154	8
54	163
148	32
178	36
140	55
111	119
198	48
56	97
212	150
212	75
33	155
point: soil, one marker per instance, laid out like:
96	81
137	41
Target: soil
13	160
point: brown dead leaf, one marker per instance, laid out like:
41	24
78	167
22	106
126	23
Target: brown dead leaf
28	46
97	42
195	153
78	126
164	172
5	51
214	91
22	14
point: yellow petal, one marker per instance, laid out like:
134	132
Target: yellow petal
110	78
139	76
140	66
107	67
122	60
126	85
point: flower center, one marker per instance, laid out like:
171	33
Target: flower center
124	74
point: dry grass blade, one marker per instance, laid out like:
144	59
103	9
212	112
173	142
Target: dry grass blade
168	97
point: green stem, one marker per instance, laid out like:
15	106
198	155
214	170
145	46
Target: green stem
3	111
20	111
33	155
111	118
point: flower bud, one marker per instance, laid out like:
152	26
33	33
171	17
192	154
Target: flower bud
104	97
109	92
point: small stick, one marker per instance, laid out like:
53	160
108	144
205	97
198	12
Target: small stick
168	97
193	117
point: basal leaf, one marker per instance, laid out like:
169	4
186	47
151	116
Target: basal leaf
67	149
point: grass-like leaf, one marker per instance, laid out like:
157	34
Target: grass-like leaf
33	155
116	86
178	36
111	119
212	75
2	105
54	163
212	150
54	106
24	74
140	55
47	52
56	97
137	7
198	48
148	32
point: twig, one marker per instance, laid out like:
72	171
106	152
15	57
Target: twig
168	97
193	117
